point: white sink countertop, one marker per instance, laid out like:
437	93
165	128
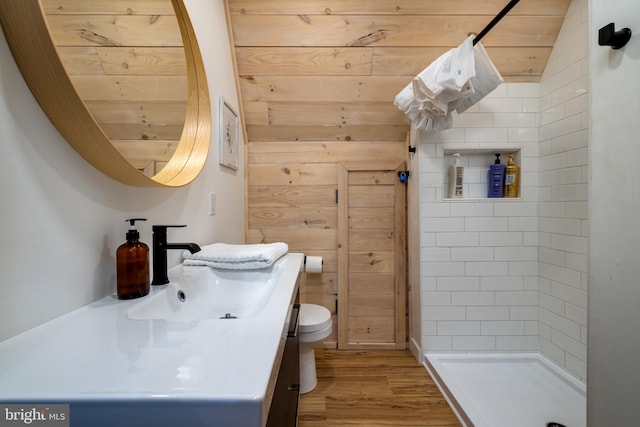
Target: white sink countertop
113	370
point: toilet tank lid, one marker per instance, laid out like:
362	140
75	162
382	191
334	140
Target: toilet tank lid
313	318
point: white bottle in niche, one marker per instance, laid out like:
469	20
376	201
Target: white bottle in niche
456	173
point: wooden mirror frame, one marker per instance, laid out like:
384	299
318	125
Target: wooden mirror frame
27	34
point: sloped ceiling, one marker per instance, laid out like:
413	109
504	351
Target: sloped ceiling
327	70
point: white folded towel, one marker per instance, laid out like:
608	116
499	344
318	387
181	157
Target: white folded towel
237	257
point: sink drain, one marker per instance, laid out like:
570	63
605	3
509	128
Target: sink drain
228	316
554	424
182	297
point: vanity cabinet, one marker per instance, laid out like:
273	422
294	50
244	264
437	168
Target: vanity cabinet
284	405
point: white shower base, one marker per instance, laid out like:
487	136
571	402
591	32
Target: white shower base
506	390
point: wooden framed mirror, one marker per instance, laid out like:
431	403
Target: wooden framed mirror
56	43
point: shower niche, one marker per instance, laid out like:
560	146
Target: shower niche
476	163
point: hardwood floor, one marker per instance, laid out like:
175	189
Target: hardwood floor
373	389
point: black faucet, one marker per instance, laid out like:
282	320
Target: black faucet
160	247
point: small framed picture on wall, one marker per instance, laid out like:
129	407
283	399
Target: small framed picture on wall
229	135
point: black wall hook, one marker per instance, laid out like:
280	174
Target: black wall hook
608	36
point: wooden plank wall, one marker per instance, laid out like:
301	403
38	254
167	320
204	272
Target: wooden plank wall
291	197
330	69
317	80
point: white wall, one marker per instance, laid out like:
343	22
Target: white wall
479	255
61	221
563	241
614	212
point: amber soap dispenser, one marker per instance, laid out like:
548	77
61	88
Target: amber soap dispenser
132	270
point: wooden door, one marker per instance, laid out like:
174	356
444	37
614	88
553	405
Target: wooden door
371	257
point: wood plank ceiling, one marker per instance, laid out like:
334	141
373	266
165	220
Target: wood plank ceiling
328	70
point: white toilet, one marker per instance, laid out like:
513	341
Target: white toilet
315	325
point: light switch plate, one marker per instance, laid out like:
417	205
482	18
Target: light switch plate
212	204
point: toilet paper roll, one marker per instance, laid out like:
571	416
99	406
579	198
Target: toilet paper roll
313	264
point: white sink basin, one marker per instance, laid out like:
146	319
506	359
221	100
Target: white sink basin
114	371
207	293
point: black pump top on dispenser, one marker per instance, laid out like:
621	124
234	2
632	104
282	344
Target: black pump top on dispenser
497	161
133	235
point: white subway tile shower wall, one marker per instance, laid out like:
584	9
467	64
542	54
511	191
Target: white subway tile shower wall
562	252
510	275
479	256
